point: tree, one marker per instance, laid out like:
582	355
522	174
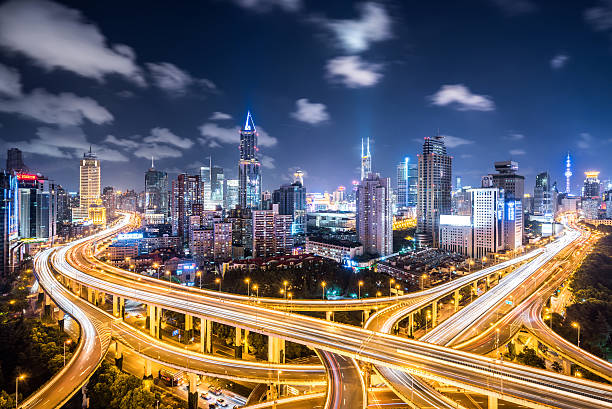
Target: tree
529	357
556	366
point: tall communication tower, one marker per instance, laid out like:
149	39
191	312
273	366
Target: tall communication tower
568	173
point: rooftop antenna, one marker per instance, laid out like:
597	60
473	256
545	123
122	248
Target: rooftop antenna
152	163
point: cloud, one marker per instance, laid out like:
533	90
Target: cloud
513	136
55	36
267	162
354	36
219	116
124	143
66	143
10	82
310	112
461	98
466	156
157	151
559	61
600	17
455	141
517	152
515	7
62	109
214	135
353	72
164	135
172	79
267	5
584	140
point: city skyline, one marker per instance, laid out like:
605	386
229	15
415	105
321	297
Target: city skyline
363	69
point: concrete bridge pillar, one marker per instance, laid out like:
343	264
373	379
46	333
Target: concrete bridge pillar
246	342
329	315
456	300
205	336
118	355
475	288
411	325
276	350
434	314
115	306
188	327
488	282
48	305
90	295
366	315
238	339
122	307
567	367
492	402
192	401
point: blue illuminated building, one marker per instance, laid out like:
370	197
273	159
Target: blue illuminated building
249	167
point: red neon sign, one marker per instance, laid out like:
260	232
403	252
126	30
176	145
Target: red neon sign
26	176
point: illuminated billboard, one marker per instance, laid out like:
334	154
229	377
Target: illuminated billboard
129	236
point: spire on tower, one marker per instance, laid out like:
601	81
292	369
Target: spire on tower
152	162
368	146
249	125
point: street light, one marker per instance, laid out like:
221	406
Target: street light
218	281
169	274
19	378
248	283
67	342
423	277
470	264
199	274
577	326
397	287
290	295
484	260
391	282
256	288
285	284
323	284
359	285
450	274
156	267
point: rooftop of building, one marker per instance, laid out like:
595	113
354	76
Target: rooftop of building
334	242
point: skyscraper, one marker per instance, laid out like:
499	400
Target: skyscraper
542	195
592	185
14	161
231	190
249	168
513	185
186	201
374	215
30	205
366	159
291	200
9	218
156	190
205	177
407	183
89	178
217	179
434	189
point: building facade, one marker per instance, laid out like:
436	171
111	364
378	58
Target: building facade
434	189
407	183
89	185
291	200
249	167
375	215
542	195
156	191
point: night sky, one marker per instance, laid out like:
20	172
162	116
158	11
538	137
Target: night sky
503	79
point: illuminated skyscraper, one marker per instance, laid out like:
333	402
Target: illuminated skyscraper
407	183
375	215
568	173
9	218
366	159
249	168
89	191
156	190
542	195
592	185
434	189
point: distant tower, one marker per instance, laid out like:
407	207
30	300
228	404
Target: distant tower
298	176
568	173
366	159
